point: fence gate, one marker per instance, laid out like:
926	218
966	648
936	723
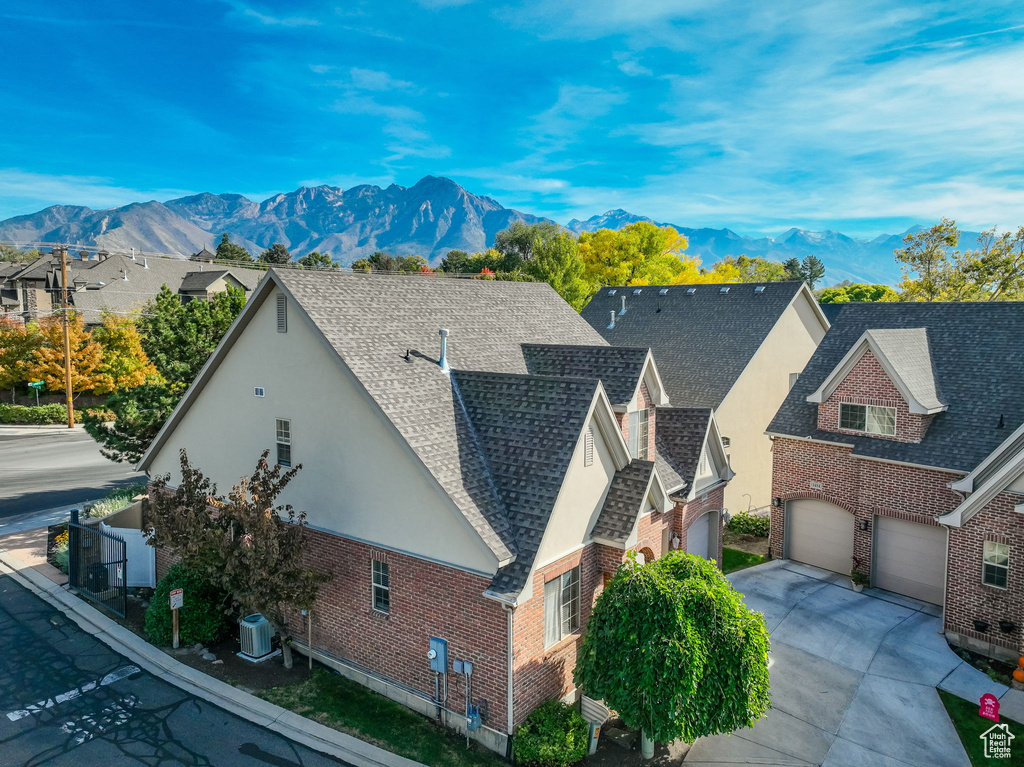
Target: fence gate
98	565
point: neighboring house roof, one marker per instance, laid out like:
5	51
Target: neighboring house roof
905	355
195	281
619	368
624	502
704	340
525	428
975	350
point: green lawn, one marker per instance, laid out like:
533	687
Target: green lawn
337	702
734	559
970	726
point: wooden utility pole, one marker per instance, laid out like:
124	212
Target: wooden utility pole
63	250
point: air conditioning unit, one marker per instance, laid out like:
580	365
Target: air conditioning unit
256	634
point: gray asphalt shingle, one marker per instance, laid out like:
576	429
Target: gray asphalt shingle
624	502
680	433
975	350
618	367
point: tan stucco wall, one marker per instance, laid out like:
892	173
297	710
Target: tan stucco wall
359	479
755	399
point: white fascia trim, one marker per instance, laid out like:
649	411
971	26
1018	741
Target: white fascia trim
604	419
658	494
996	484
713	437
849	361
966	485
649	374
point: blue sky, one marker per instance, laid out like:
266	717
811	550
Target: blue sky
863	116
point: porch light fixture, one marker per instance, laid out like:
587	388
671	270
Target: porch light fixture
981	626
863	525
777	503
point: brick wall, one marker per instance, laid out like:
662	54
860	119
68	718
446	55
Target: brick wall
427	600
967	598
864	488
869	384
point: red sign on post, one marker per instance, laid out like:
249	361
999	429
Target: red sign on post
177	599
989	707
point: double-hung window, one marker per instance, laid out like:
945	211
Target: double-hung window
381	587
639	434
562	606
284	442
995	564
871	419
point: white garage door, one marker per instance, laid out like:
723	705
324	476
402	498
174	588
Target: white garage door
910	558
820	534
698	536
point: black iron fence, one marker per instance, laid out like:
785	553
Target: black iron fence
98	565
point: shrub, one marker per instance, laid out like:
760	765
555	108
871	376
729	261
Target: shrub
101	413
116	500
60	551
748	524
553	735
202	618
25	414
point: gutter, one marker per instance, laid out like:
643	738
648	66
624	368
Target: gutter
509	606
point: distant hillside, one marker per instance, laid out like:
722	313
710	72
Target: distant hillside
429	219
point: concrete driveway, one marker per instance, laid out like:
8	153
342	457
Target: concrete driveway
853	678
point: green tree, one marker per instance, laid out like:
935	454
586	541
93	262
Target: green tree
925	260
229	251
13	254
139	413
672	648
317	261
555	259
179	338
518	242
276	254
18	344
640	253
842	294
755	268
456	262
385	262
252	548
810	270
994	271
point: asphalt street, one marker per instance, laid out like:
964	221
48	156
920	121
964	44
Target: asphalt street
68	699
47	468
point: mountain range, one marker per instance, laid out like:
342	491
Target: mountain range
430	218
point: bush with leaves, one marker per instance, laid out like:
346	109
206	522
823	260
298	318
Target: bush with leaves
673	649
25	414
747	524
203	615
553	735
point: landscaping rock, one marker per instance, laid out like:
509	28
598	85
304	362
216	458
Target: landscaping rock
217	663
209	656
198	647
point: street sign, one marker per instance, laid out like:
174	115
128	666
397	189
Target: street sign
37	384
177	599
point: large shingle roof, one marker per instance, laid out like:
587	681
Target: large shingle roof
624	501
702	342
975	350
385	329
619	368
526	428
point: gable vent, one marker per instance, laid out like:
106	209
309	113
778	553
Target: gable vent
588	447
759	289
282	313
723	290
691	291
663	292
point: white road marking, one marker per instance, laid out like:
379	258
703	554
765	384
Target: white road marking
90	726
110	678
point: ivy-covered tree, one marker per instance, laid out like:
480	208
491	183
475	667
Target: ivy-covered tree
48	360
671	647
252	547
125	364
139	413
18	343
276	254
230	251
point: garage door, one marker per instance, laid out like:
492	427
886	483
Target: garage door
910	558
820	534
698	536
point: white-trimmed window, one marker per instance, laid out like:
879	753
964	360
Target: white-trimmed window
284	442
871	419
381	586
995	566
562	606
639	433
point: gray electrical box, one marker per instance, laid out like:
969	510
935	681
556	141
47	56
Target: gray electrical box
438	655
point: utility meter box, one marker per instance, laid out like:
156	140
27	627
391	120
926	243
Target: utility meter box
438	655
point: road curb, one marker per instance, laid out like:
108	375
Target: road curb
249	707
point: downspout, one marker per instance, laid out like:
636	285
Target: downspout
509	609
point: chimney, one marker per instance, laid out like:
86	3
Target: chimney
611	322
443	362
623	311
102	255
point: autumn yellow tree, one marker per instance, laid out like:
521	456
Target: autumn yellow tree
86	355
125	364
18	343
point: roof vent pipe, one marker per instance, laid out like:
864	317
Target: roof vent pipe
623	311
145	263
611	322
443	362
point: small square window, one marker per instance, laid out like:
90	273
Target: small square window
995	566
381	586
284	442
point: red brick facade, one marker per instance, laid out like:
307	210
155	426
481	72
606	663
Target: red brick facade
869	384
643	400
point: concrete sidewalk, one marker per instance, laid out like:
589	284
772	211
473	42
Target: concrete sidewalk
166	668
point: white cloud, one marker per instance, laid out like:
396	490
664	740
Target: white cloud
244	11
372	80
25	191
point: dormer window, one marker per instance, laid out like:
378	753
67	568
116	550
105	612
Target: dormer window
639	434
870	419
